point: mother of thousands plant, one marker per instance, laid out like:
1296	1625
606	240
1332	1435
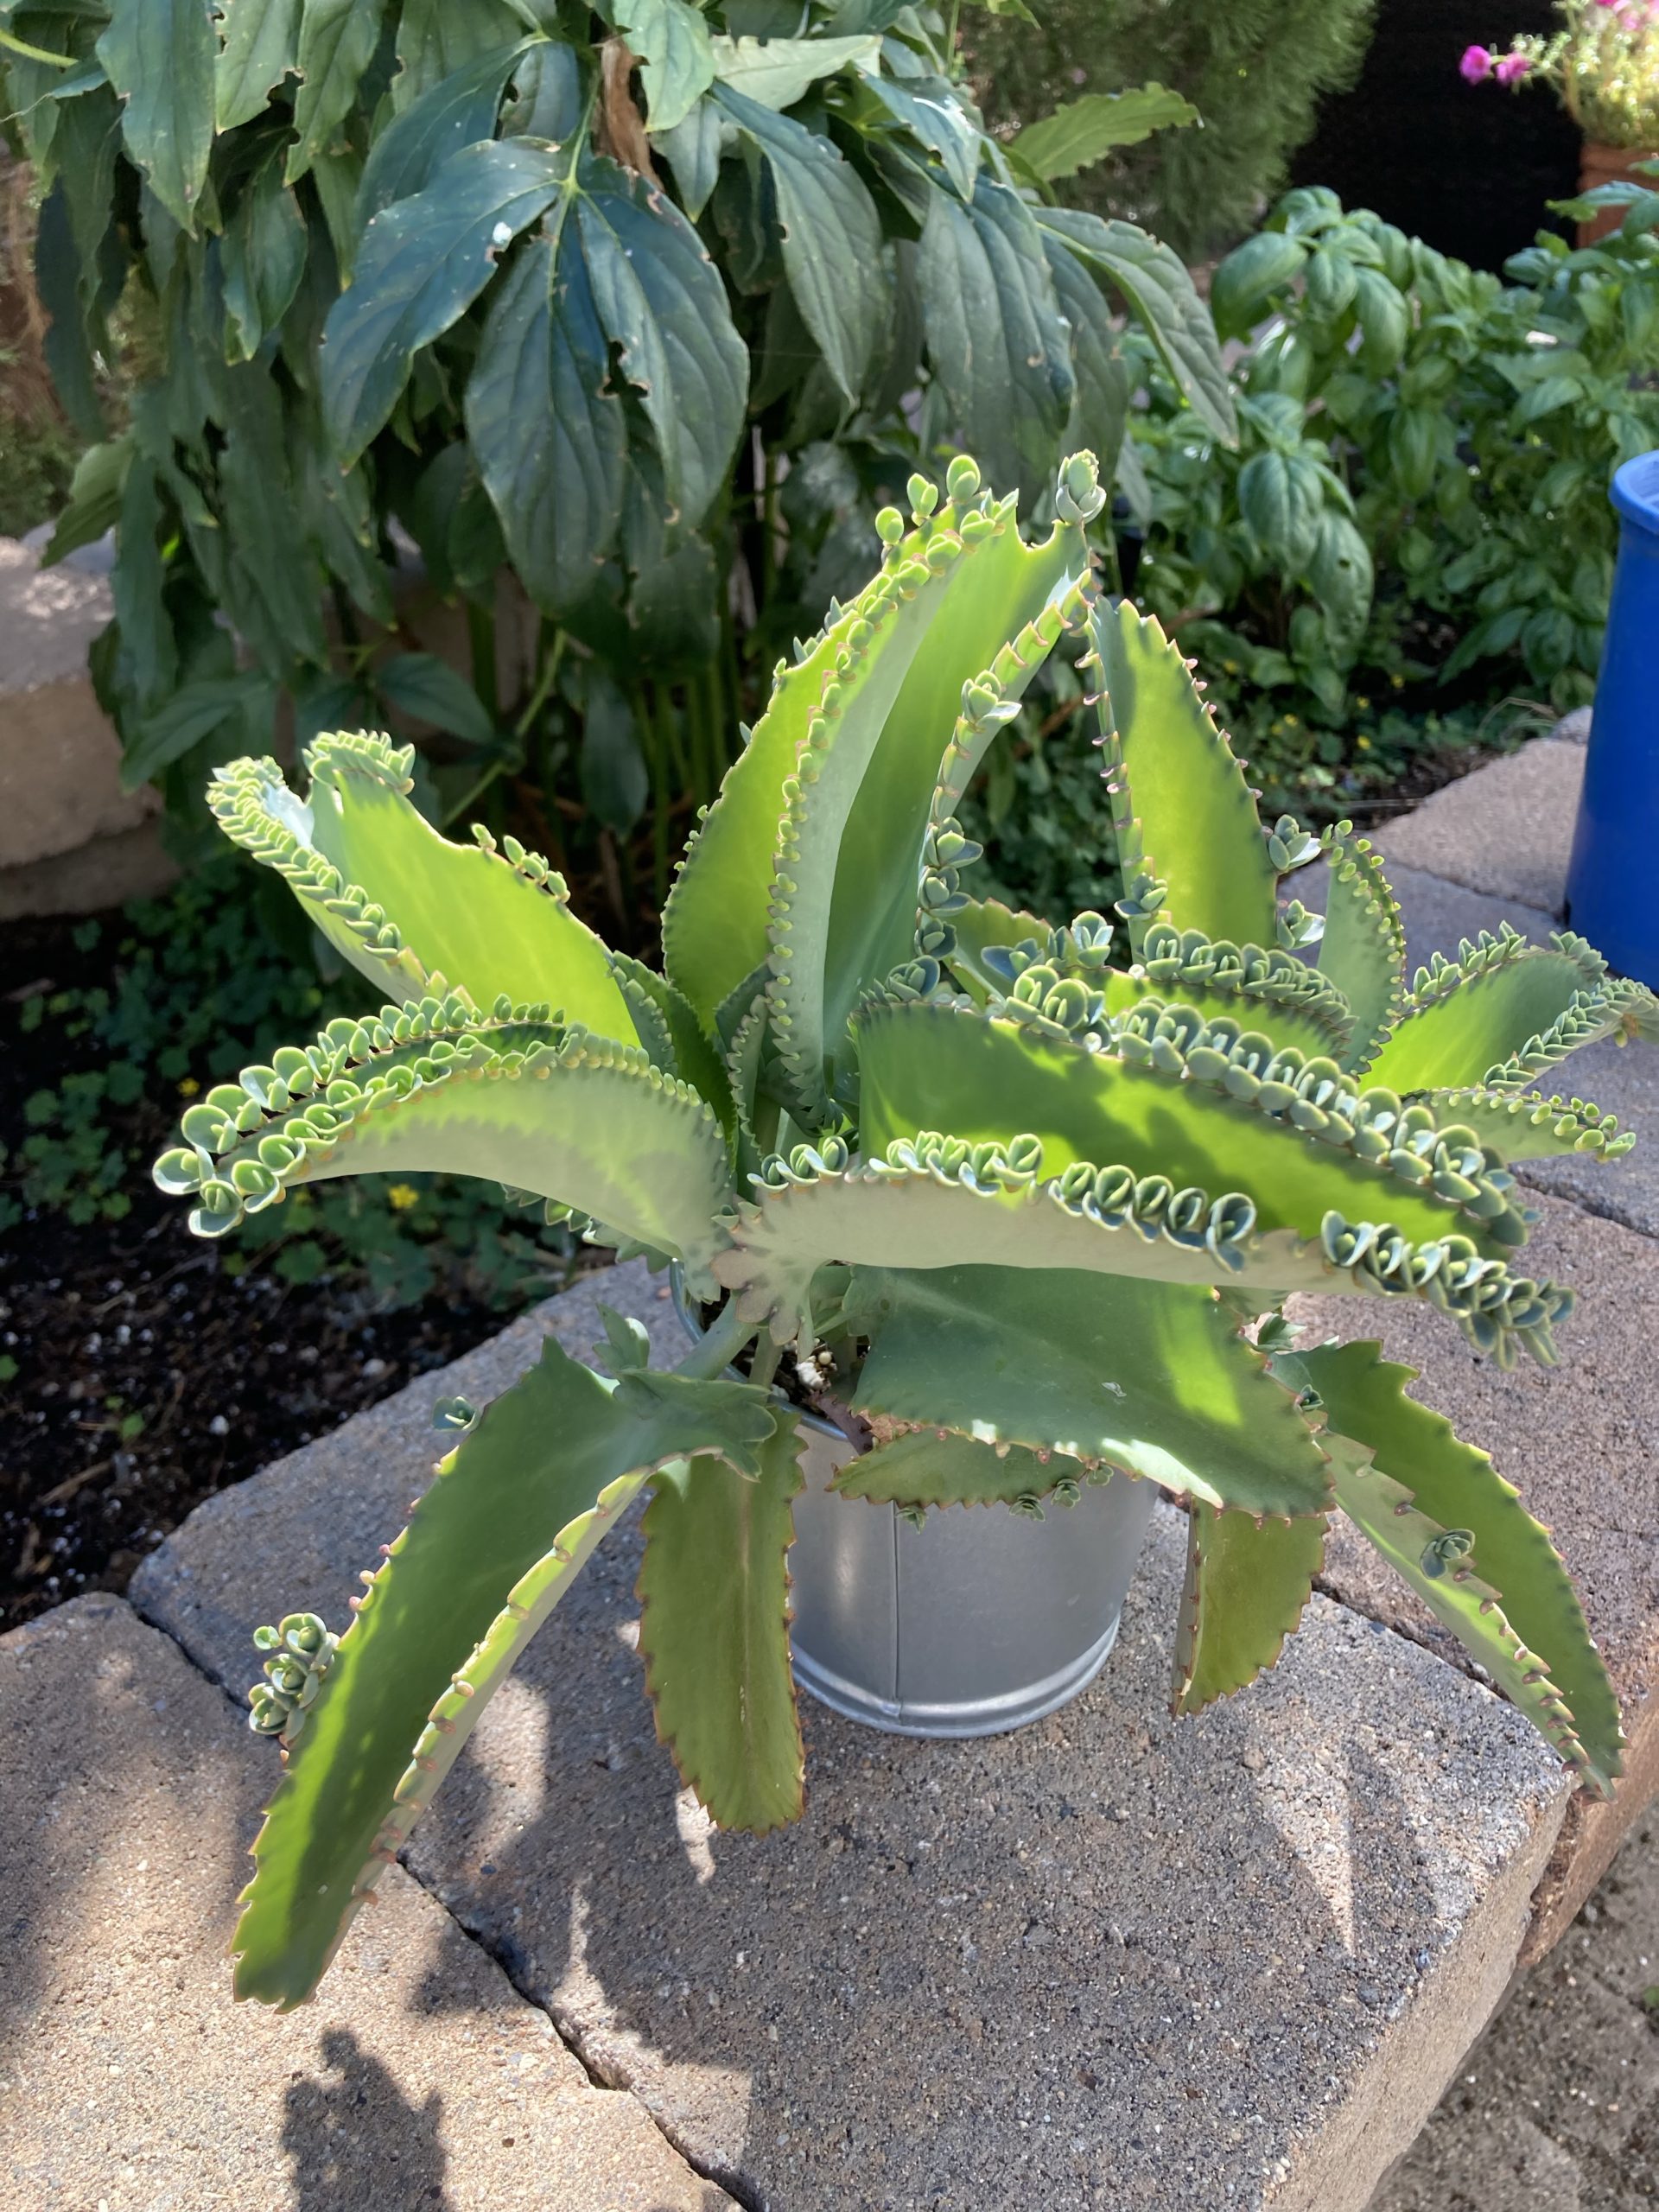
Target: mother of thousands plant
1033	1196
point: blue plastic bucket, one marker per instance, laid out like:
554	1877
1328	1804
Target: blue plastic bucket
1613	883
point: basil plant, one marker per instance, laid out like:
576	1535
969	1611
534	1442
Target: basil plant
644	309
1025	1199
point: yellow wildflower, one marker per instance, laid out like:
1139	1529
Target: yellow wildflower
402	1197
188	1087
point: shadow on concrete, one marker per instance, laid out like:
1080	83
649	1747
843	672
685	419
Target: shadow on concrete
355	2140
1048	1915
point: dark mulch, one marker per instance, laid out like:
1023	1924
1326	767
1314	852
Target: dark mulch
146	1378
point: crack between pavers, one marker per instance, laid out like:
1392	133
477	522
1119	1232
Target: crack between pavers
737	2186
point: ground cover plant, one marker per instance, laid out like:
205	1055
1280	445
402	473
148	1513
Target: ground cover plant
1415	515
141	1370
610	312
1030	1198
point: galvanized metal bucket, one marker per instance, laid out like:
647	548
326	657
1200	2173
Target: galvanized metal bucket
976	1622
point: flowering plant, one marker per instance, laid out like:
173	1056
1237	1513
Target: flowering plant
1603	61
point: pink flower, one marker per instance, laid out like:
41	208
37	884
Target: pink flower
1512	68
1476	65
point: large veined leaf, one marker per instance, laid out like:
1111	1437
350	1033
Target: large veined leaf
944	1067
262	260
775	73
1086	130
337	43
355	852
617	266
1247	1584
1440	1512
261	47
513	1516
676	54
1175	777
511	1098
997	338
1149	1379
1100	405
931	109
437	41
159	55
458	111
1475	1025
833	254
1158	287
713	1629
421	264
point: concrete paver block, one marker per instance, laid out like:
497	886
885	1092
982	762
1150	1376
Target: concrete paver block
1506	830
1557	2108
1578	1441
130	2081
59	759
1111	1960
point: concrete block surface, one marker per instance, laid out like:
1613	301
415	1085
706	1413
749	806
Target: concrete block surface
60	759
1507	829
130	2081
1578	1441
1109	1960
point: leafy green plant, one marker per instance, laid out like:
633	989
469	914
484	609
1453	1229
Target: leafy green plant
1254	70
201	979
1419	488
1022	1190
576	328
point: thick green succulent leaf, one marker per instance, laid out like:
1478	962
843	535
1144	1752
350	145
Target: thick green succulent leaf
1526	1125
1182	809
949	1067
159	55
1086	130
1247	1584
1161	292
1364	948
692	1054
261	46
1261	986
399	902
845	762
516	1511
1148	1379
936	1203
979	926
916	1468
1002	606
832	248
513	1098
999	342
1465	1018
714	1630
1439	1511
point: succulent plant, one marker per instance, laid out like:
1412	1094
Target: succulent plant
1033	1195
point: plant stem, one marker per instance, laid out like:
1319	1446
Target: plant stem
714	1353
480	636
764	1365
